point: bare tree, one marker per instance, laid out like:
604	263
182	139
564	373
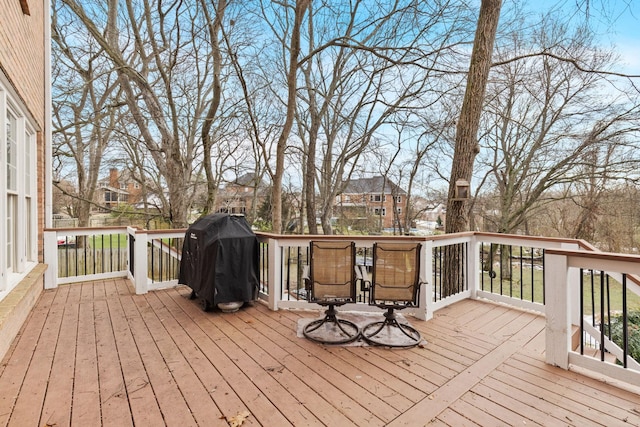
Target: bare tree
548	123
86	108
214	24
152	59
301	7
361	76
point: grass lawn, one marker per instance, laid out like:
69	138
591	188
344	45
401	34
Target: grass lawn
108	241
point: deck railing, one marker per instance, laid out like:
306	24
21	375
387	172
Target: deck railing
567	280
81	254
588	309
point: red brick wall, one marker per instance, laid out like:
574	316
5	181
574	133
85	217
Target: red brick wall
22	53
22	50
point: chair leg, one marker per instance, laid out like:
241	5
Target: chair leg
336	331
410	336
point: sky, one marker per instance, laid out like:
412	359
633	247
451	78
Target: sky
626	36
616	21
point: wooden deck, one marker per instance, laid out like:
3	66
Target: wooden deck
95	354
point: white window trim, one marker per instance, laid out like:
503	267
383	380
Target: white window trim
25	134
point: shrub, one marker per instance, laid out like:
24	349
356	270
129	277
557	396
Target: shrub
633	324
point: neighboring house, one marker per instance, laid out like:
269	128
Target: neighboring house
118	188
25	159
429	214
239	196
375	198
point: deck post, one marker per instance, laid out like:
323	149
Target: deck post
425	305
51	259
473	270
140	262
558	324
275	273
573	282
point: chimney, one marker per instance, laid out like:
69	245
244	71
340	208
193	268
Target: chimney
113	178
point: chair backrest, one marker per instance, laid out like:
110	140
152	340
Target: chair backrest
332	272
396	274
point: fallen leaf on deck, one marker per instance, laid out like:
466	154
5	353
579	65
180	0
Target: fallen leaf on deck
238	419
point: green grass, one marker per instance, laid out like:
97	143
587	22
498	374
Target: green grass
108	241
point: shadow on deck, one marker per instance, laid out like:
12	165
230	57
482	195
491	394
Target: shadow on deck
96	354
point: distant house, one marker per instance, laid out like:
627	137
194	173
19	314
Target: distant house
239	196
118	188
25	161
372	199
430	215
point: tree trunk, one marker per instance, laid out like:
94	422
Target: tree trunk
207	142
466	146
276	189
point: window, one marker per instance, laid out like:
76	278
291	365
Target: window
375	198
12	187
398	199
18	189
380	212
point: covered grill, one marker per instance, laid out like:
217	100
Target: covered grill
220	260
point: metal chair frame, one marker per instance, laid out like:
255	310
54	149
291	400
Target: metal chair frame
382	295
321	255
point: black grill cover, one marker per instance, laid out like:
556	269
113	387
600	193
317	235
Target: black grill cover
220	259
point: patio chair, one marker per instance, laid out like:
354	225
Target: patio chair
331	283
395	285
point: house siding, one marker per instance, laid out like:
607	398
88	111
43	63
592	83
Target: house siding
22	53
24	81
22	62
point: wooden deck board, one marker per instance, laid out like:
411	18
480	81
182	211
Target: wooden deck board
143	402
86	395
159	360
17	361
95	354
336	369
224	354
59	394
29	402
114	404
198	349
160	323
330	384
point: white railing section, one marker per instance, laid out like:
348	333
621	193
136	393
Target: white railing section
82	254
277	299
520	241
431	300
562	273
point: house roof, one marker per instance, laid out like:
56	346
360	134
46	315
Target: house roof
113	189
376	184
249	180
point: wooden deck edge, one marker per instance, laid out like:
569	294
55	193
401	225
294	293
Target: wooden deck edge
16	306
